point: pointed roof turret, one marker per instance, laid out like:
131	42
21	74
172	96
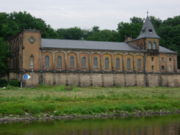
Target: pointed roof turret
148	30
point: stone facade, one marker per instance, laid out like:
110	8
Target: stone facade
101	79
148	65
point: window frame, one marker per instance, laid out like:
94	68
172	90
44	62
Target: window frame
95	62
154	45
47	61
59	63
128	64
139	64
83	62
31	62
150	45
72	61
106	63
118	66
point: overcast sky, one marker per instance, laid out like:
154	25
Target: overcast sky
87	13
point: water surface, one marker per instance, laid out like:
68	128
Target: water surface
165	125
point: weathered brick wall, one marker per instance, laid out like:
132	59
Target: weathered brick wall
102	79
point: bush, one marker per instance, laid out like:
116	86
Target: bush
15	83
3	83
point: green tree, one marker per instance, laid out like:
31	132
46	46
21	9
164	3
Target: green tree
70	33
4	53
131	29
11	24
102	35
169	32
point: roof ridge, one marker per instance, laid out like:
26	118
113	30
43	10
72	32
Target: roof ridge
82	40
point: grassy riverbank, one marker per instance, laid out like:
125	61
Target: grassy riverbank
60	100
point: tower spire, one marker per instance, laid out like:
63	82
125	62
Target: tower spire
148	30
147	13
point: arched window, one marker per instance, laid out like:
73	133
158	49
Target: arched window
117	63
154	45
95	62
139	64
106	63
149	45
47	61
128	63
31	62
83	62
59	62
72	64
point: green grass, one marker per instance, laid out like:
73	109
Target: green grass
60	100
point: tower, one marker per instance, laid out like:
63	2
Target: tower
31	50
150	37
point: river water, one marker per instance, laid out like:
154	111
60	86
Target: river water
164	125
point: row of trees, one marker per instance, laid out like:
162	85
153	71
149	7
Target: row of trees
12	23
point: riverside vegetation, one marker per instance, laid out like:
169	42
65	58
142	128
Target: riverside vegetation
64	100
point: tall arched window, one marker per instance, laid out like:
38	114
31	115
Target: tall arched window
31	62
106	63
59	62
128	64
139	64
72	64
154	45
83	62
47	61
149	45
117	63
95	62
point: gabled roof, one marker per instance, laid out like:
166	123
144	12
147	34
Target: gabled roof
87	45
165	50
92	45
148	30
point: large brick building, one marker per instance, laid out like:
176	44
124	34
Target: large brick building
85	63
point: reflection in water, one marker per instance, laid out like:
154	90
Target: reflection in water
144	126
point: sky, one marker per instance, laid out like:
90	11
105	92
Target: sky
88	13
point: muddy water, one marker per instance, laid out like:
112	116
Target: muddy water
165	125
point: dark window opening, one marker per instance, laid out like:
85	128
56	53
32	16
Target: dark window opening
162	67
152	68
150	30
170	59
152	58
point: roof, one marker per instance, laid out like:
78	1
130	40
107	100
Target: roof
87	45
148	30
93	45
165	50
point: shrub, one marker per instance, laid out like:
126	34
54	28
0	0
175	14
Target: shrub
15	83
3	83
